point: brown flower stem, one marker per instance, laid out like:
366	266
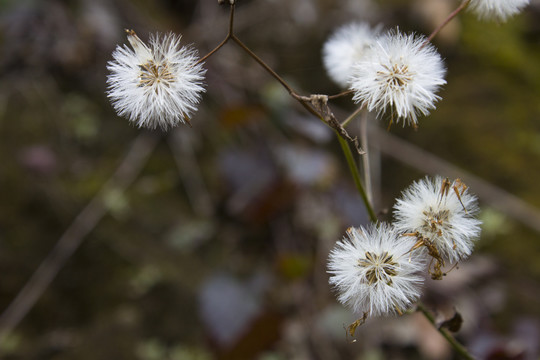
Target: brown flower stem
213	51
310	103
264	65
277	77
227	38
341	94
460	349
454	13
231	21
304	101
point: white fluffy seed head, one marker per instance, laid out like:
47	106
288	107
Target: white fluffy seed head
155	86
399	76
440	216
346	46
499	10
374	271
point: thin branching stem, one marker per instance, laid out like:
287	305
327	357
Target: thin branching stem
341	94
301	99
264	65
460	349
289	89
214	50
352	116
452	15
231	21
227	38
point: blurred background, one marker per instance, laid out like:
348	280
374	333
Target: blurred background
211	242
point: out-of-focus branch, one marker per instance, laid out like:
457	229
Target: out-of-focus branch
190	173
72	238
418	158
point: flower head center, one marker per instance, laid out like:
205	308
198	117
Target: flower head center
152	73
435	221
379	267
396	76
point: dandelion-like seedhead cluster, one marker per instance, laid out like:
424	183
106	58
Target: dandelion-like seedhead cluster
158	85
497	9
380	270
399	75
442	213
374	271
345	47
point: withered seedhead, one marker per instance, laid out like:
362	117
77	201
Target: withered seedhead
457	185
436	270
351	329
446	184
186	119
460	188
436	273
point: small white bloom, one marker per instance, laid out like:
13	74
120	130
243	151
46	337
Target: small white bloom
344	48
497	9
375	272
442	213
399	74
156	85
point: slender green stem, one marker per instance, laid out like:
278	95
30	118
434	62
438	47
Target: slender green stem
365	158
460	349
356	176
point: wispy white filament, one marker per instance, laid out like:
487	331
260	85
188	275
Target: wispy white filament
399	75
374	271
443	218
346	46
155	86
497	9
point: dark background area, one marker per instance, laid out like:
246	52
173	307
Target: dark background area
218	248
